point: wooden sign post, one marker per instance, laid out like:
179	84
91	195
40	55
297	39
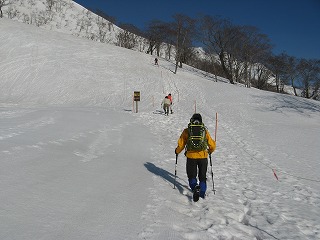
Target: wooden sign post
136	98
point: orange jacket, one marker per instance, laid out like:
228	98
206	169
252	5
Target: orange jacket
195	154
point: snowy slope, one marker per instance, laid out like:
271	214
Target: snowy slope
65	16
78	163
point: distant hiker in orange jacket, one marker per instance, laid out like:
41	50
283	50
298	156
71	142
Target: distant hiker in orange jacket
170	98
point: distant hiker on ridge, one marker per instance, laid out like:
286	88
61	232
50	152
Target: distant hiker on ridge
156	61
198	144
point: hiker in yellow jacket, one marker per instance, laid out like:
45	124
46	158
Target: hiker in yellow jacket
197	160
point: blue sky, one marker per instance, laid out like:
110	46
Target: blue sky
293	26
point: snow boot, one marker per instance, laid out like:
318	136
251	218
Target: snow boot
196	193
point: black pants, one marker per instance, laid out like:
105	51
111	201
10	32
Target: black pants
193	165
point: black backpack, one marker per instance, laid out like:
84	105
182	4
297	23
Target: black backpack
197	140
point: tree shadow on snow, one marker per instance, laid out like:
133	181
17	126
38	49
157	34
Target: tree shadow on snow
282	103
167	176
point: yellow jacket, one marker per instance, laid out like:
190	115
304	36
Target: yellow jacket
195	154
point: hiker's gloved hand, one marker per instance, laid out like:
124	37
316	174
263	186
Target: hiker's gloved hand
175	151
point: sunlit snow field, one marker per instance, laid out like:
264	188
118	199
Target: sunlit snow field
78	163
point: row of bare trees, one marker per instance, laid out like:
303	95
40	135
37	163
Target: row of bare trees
296	72
239	53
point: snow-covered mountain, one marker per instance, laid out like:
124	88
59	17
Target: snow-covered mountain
64	16
78	163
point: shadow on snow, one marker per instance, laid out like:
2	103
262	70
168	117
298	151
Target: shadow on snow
167	176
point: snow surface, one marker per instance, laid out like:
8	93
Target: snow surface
78	163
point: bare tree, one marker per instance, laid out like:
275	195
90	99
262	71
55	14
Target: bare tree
290	71
156	34
184	28
238	47
262	77
309	72
188	53
12	12
2	4
217	35
60	4
126	38
49	4
276	63
250	48
102	28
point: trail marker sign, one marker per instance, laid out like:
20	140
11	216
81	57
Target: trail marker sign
136	98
